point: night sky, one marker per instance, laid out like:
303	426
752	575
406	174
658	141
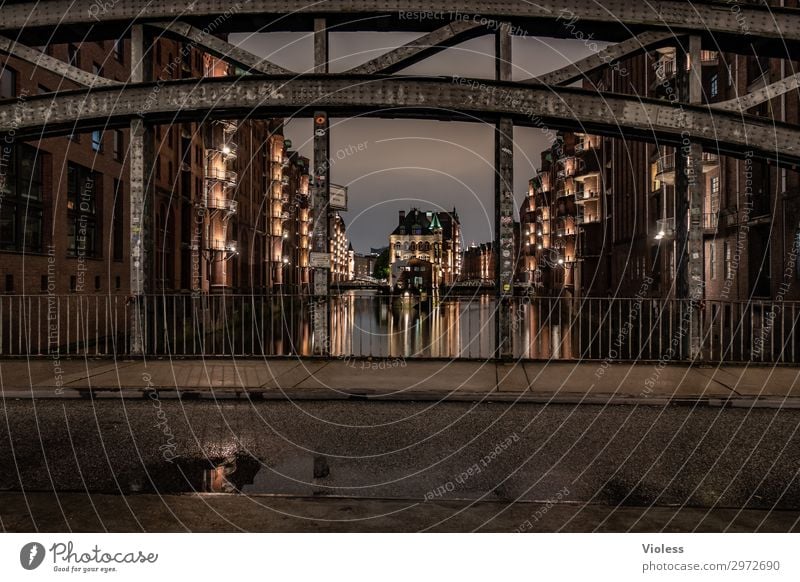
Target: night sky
403	163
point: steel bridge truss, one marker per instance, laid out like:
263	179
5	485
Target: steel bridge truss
264	88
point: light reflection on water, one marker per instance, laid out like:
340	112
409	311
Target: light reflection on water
366	324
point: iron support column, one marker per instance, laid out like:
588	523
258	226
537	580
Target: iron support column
689	192
504	206
320	206
140	164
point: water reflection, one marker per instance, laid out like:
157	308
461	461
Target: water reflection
380	326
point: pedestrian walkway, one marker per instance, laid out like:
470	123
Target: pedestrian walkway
79	512
589	382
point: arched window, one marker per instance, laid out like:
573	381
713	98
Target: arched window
412	247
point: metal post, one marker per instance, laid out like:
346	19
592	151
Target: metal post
321	250
689	192
504	205
140	164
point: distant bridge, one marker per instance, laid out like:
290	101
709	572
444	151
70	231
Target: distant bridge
361	283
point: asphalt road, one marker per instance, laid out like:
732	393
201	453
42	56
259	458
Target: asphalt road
614	455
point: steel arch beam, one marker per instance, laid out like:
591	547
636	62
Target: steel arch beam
608	57
569	108
221	49
759	96
51	65
418	49
612	20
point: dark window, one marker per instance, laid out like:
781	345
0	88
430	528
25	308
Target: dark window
119	145
97	282
43	282
756	67
82	211
21	208
118	50
714	85
117	282
116	222
72	55
9	283
8	83
73	283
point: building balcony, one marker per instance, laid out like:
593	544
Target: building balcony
589	219
666	68
709	58
225	204
665	228
665	171
710	222
586	196
222	245
221	175
227	150
589	159
229	126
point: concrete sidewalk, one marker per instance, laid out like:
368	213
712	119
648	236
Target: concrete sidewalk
589	382
80	512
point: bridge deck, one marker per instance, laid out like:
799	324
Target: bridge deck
397	379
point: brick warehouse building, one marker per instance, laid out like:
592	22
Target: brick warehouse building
228	196
228	211
605	207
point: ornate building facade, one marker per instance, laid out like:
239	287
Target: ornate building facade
430	237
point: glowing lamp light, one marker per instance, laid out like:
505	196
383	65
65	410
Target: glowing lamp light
560	261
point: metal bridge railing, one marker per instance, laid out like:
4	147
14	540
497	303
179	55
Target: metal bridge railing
379	326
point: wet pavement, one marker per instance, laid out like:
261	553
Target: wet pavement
694	456
77	512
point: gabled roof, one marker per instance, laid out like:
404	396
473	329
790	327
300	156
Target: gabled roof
427	222
414	219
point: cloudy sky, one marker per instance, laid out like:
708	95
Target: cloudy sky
403	163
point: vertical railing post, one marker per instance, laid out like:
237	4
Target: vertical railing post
504	206
140	164
689	187
320	306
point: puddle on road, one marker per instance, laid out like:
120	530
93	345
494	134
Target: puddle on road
235	474
211	475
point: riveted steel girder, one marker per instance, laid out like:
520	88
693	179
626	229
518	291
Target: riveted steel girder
610	56
221	49
55	66
759	96
423	47
604	20
423	97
